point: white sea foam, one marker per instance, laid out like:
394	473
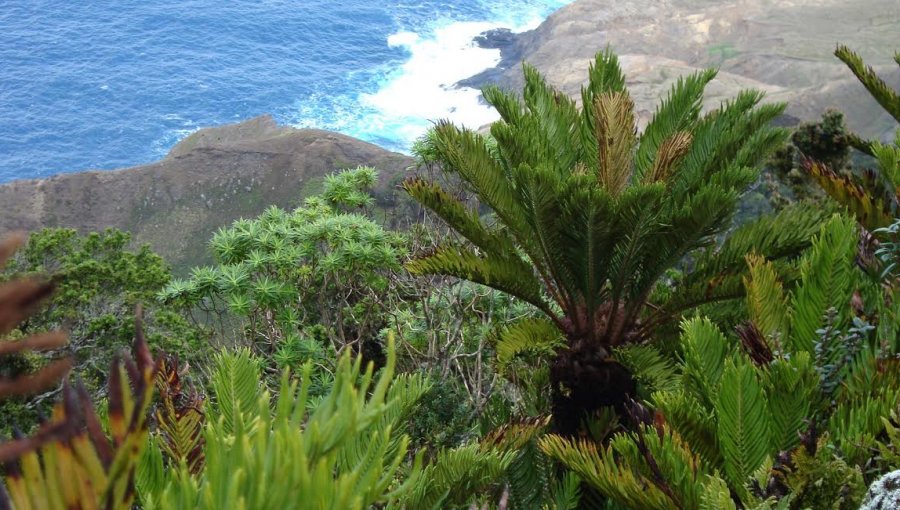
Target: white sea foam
409	97
423	89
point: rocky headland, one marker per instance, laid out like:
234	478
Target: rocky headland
208	180
783	47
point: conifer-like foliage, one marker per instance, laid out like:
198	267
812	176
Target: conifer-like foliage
588	215
345	450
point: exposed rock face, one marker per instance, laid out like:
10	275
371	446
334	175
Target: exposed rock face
208	180
783	47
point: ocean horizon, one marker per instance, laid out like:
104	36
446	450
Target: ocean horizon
105	85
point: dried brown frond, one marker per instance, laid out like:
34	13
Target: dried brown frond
754	344
179	415
669	155
616	136
513	435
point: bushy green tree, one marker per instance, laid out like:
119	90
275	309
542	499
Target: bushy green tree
99	281
588	216
301	284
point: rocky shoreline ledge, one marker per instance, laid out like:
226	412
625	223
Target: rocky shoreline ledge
781	47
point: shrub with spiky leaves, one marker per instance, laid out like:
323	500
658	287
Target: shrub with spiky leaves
344	450
286	275
588	215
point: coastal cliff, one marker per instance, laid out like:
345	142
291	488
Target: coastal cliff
208	180
781	47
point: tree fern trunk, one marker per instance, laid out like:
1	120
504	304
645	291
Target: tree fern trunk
585	378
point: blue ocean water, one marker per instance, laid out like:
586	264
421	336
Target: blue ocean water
112	83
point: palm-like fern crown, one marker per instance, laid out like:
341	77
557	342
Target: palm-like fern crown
588	213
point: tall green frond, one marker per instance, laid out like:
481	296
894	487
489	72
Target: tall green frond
513	276
705	349
467	153
531	335
881	91
717	273
623	483
456	475
235	381
766	301
791	385
462	219
743	422
694	422
650	367
826	281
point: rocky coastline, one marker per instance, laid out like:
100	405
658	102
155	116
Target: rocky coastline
783	48
220	174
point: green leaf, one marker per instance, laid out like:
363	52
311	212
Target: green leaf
826	281
235	381
743	423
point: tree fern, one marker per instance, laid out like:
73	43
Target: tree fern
590	215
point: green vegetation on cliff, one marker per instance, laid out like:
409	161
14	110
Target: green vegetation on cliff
577	319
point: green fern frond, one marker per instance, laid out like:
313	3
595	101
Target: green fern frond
456	475
531	335
884	94
718	273
704	351
567	492
743	423
529	478
766	301
791	385
623	483
462	219
235	382
696	424
650	367
513	276
678	112
716	495
826	282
